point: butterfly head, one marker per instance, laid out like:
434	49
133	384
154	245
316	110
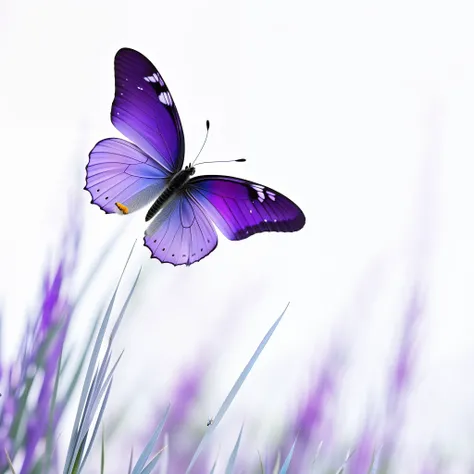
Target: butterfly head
190	169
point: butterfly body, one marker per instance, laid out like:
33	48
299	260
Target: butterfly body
124	176
175	185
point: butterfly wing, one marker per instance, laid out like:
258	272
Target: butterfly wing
181	234
241	208
121	178
144	111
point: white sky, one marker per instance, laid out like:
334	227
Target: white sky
361	112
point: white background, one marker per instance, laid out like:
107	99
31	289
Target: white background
361	112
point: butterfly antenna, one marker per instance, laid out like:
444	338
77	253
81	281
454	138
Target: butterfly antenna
205	140
238	160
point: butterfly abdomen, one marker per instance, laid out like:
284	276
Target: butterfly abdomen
158	204
176	183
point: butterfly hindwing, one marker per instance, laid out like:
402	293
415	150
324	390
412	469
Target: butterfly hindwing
241	208
181	234
120	174
144	111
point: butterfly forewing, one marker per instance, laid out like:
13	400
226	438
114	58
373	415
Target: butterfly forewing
144	110
121	178
241	208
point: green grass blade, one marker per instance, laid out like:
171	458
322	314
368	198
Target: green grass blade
102	453
9	461
48	458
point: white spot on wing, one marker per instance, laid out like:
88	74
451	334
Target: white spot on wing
155	78
261	196
165	98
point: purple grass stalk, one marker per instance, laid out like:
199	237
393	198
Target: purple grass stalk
311	422
401	376
24	420
51	301
312	415
363	453
184	398
180	447
54	311
38	425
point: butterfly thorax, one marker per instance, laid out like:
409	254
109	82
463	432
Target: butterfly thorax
176	183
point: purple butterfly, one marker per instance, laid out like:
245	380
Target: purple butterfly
123	177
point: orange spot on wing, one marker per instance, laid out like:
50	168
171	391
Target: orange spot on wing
122	207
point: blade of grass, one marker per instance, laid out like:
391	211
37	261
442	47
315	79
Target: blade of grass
233	455
130	464
276	467
95	267
165	460
49	438
77	460
344	464
139	466
151	465
10	465
77	373
75	440
213	467
97	424
286	464
374	466
234	390
97	393
262	469
104	366
87	385
102	452
15	432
